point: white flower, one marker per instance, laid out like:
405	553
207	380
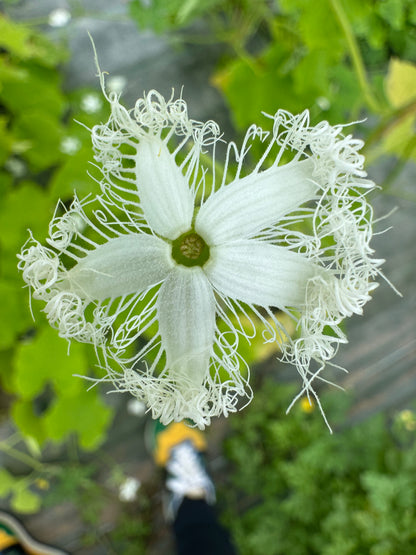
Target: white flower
323	103
70	145
16	167
116	84
136	407
170	253
59	17
91	103
128	489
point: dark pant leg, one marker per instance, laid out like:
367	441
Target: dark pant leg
198	532
13	550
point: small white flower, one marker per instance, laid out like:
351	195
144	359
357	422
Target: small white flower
171	254
16	167
70	145
136	407
116	84
91	103
323	103
59	17
128	489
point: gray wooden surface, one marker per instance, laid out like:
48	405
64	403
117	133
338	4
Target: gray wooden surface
381	352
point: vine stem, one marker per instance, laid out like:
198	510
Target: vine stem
355	55
388	123
22	457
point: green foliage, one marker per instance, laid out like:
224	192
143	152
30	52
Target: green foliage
44	156
21	42
401	92
34	370
310	492
15	317
72	408
163	15
335	58
131	534
77	484
83	413
304	67
22	499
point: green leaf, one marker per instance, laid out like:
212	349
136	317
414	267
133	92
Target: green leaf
10	73
6	370
15	38
47	359
23	43
344	94
311	75
400	140
45	95
6	140
7	482
85	414
72	176
6	181
401	82
164	15
265	86
30	424
25	207
15	316
43	134
25	501
392	11
317	25
400	86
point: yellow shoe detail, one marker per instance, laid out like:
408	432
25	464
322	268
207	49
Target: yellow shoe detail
174	434
6	540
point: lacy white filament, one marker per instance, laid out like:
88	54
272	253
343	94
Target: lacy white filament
293	234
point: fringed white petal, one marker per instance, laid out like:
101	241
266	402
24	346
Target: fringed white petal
259	273
169	400
294	236
186	312
165	196
40	268
248	205
123	265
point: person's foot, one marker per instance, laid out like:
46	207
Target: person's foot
178	448
15	539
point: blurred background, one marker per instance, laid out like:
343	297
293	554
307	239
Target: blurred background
73	464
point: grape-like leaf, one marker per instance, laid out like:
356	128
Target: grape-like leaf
46	358
84	413
25	501
15	316
6	482
24	207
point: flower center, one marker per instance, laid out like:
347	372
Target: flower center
189	249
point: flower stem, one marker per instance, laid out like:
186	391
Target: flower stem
357	60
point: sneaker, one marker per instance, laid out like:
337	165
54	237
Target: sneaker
178	448
161	439
15	539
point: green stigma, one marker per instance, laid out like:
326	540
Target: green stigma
189	249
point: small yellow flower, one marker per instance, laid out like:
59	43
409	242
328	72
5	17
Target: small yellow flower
42	484
307	405
408	419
